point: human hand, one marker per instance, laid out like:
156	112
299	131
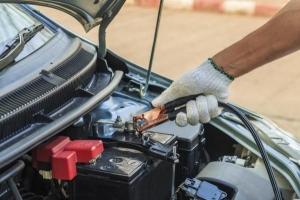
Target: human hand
207	80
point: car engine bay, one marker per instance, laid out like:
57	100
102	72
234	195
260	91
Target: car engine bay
126	173
90	157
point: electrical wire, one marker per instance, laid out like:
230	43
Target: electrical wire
27	195
63	190
36	197
30	195
174	196
57	190
259	144
207	157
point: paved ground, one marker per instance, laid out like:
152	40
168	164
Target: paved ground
272	1
186	39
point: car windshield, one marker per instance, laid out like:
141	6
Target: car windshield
12	20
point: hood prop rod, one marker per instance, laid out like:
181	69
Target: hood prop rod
144	89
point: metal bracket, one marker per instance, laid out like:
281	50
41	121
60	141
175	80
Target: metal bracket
131	88
129	127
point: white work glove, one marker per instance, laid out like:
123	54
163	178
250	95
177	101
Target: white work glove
208	80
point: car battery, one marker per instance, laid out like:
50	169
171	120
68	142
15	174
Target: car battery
191	143
123	174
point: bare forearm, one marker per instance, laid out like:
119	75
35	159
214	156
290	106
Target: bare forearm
278	37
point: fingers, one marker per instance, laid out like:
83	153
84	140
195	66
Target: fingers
201	110
181	119
212	106
207	107
192	113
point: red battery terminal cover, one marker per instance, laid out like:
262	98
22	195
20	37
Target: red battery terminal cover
86	150
64	165
45	151
60	156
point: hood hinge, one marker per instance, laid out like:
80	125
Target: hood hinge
107	18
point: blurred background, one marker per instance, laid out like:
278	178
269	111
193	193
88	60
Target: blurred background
188	37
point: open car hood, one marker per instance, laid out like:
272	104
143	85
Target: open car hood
88	12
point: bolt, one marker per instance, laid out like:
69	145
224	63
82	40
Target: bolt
118	120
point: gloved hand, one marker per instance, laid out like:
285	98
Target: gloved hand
208	80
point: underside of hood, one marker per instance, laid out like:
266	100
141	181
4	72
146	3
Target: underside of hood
89	13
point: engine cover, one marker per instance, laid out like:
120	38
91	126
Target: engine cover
238	182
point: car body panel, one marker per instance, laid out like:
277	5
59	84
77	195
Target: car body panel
90	17
89	13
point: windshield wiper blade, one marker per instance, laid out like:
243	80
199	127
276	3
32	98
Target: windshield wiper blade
16	45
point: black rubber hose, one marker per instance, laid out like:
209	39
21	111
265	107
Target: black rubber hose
11	172
8	176
259	144
12	185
